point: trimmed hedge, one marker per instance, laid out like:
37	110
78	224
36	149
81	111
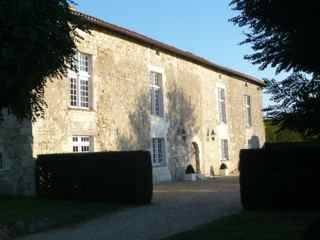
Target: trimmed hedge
122	177
280	176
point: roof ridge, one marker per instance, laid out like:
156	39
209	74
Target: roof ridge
166	47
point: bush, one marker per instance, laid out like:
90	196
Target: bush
280	176
107	176
223	166
190	169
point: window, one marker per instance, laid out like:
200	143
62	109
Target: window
247	109
222	105
156	94
3	163
224	150
81	144
79	81
158	151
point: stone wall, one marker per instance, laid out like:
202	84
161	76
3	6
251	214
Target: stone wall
119	116
16	149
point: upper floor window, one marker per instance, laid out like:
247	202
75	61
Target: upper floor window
224	145
248	111
81	144
79	80
222	105
158	151
156	92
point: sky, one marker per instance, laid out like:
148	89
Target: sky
197	26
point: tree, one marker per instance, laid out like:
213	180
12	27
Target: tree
37	43
283	35
275	135
297	104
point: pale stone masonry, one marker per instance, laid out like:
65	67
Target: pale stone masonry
118	117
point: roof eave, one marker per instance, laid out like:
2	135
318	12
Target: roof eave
167	48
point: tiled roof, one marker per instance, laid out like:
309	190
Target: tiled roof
137	37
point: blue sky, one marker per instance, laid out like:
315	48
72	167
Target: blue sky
201	27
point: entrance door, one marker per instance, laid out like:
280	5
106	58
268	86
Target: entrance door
196	157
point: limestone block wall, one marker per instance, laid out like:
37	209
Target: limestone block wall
16	150
119	114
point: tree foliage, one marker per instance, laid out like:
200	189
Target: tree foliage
276	134
297	103
283	33
37	42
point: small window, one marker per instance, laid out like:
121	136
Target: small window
81	144
158	151
222	105
83	63
79	81
3	163
248	111
224	150
156	93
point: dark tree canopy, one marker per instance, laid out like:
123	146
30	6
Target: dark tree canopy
274	134
297	104
37	42
283	33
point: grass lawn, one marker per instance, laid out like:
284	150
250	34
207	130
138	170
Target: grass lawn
61	212
253	226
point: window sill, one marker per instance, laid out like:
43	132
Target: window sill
157	116
81	109
158	165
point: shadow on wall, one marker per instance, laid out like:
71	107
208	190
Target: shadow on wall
180	114
16	161
183	127
254	142
138	137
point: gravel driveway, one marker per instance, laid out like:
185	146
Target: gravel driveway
176	207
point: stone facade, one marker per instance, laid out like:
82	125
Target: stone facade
119	118
17	177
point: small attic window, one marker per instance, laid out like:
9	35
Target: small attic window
219	76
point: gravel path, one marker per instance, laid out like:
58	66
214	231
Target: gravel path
176	207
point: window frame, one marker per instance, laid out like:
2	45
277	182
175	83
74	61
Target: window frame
224	150
248	111
156	88
79	75
155	153
79	144
222	111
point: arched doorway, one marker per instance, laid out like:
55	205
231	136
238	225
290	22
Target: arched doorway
195	158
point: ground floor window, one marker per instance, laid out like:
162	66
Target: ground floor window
224	146
81	143
158	151
3	163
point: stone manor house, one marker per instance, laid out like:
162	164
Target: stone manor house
135	93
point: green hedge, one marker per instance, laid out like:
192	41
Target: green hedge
124	177
280	176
